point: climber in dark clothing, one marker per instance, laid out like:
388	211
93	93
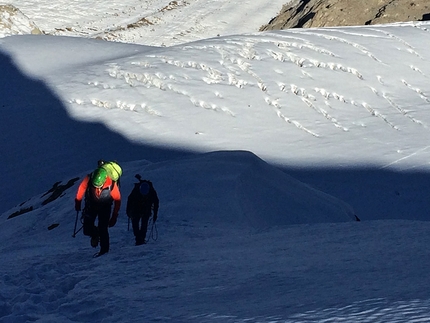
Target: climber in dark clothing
141	202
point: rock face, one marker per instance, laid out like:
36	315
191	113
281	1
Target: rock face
14	22
329	13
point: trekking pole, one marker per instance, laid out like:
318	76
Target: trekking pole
76	223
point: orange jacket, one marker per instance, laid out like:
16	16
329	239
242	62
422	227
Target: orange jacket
114	192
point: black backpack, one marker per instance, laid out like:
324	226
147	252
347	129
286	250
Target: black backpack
144	192
141	198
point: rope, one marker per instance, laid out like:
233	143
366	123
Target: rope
153	234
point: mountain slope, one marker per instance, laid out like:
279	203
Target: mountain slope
308	98
335	13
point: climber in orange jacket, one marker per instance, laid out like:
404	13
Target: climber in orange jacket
100	192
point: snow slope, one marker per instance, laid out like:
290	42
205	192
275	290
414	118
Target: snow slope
262	147
206	263
302	99
153	22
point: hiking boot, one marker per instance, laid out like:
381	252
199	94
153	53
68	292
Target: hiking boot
100	253
140	242
94	242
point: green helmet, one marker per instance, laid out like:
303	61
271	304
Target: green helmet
98	177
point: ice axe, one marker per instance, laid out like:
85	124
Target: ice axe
76	223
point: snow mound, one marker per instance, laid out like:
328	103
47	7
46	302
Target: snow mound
14	22
234	188
240	188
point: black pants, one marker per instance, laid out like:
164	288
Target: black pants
101	230
140	226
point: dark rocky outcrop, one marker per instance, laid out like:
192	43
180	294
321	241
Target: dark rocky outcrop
329	13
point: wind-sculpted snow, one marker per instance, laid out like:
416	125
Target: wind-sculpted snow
309	85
